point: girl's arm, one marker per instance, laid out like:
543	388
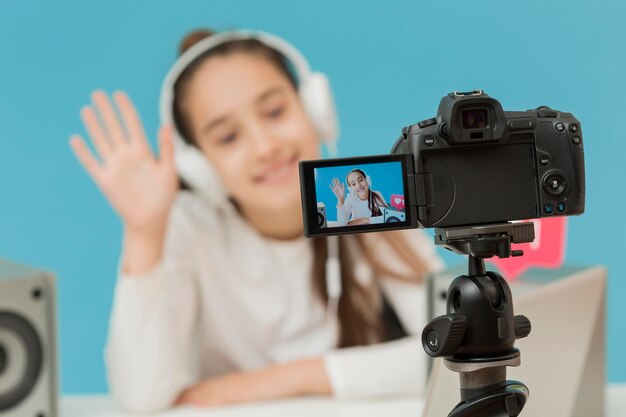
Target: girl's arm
140	186
142	249
149	348
301	377
344	211
389	368
150	352
343	204
382	369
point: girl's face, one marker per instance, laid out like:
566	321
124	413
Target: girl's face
358	185
247	118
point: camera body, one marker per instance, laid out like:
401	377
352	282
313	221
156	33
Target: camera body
476	163
472	164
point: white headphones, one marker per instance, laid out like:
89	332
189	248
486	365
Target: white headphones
313	89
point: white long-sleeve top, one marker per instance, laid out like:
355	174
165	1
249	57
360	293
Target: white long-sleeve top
223	298
355	208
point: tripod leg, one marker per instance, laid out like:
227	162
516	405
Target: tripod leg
502	399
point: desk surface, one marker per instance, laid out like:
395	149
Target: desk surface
103	406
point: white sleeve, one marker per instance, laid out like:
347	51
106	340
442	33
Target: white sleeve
386	368
343	212
150	350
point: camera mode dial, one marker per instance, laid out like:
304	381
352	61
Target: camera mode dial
545	111
428	122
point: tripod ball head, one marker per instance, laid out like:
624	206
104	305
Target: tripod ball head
485	302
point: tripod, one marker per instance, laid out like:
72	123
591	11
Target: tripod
477	334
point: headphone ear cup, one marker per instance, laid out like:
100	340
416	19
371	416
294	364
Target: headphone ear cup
194	168
317	99
369	180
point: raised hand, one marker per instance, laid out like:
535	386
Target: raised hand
139	186
339	189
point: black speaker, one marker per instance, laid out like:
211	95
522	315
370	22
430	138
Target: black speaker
321	215
28	362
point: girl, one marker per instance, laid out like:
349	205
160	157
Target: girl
220	299
362	206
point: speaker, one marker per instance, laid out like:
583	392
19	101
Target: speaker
391	215
321	215
28	365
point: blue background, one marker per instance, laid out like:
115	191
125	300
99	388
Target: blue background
389	64
386	178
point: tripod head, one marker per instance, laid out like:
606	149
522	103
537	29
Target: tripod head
477	335
487	240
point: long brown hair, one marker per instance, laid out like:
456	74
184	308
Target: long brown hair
360	305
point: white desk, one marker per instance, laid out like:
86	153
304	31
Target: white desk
103	406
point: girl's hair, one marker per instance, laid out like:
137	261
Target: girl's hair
360	306
375	200
248	46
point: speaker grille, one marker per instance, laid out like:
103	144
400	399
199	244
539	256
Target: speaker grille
21	359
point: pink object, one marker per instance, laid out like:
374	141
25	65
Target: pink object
397	201
547	251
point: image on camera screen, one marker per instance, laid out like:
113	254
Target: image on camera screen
362	194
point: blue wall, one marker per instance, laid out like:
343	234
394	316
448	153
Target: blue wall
389	63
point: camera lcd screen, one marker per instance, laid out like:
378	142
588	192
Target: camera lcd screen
355	194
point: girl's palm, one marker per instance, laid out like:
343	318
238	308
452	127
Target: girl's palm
139	186
339	189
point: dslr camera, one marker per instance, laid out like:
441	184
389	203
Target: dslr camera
472	164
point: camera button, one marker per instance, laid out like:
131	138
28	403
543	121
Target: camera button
576	140
573	128
559	126
427	122
548	209
554	184
516	124
429	140
561	207
544	160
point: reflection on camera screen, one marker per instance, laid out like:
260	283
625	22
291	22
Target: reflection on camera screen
363	194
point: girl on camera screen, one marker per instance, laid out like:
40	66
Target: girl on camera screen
362	205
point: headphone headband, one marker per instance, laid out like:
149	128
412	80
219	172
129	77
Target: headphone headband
286	49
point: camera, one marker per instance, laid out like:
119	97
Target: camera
472	164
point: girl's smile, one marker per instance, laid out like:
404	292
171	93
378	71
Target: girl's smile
278	172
